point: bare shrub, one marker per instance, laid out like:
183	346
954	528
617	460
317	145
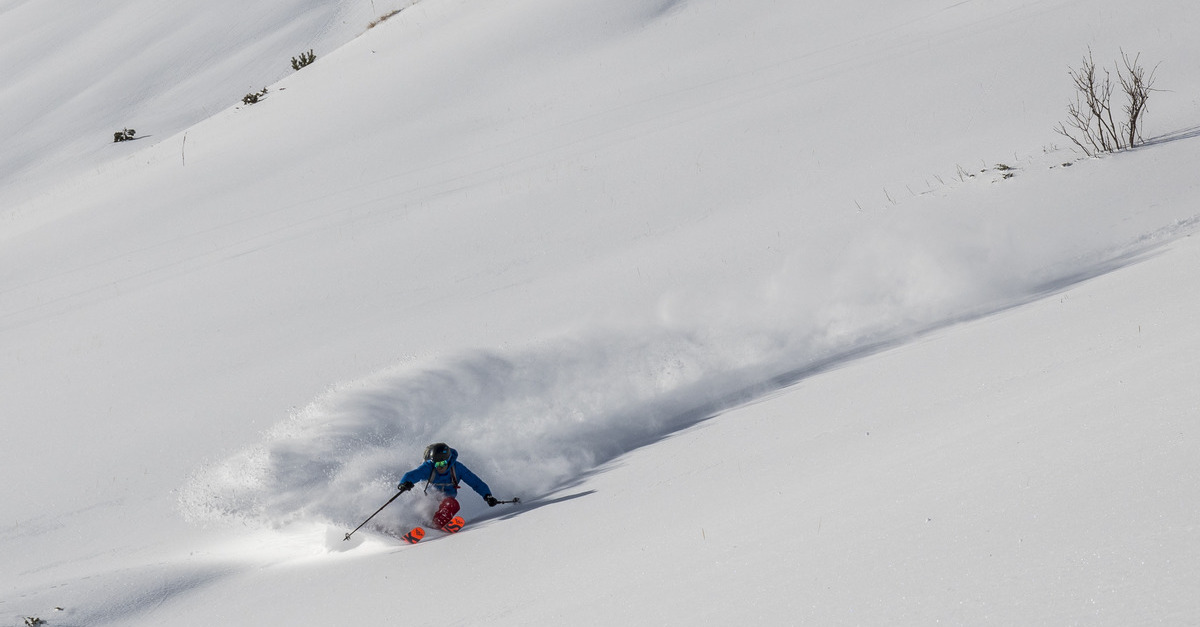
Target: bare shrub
382	18
1090	124
1137	86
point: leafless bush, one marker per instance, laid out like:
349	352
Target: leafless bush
383	18
1091	125
1137	86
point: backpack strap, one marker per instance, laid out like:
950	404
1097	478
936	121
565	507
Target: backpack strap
433	473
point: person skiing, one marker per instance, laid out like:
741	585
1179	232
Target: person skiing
442	471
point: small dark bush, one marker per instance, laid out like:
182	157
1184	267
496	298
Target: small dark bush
304	59
254	97
124	135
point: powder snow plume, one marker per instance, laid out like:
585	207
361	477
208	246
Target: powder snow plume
534	419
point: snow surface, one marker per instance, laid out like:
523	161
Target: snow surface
736	296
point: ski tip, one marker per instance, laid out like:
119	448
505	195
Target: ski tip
414	536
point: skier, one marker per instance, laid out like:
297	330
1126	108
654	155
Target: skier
442	470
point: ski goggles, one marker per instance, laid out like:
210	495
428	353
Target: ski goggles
442	464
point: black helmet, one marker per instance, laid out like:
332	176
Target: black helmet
439	452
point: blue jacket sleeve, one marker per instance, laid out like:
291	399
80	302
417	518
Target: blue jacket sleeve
469	478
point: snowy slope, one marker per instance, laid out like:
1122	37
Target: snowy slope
75	76
731	293
958	494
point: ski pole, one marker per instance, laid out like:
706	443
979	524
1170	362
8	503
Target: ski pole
373	515
513	500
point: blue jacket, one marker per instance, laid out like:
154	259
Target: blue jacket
445	482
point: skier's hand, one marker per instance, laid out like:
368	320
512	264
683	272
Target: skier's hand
405	486
490	500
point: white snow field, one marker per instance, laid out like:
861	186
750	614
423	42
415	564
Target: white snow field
770	312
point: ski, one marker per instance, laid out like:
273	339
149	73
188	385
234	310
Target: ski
418	533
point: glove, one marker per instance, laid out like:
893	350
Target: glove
490	500
405	486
